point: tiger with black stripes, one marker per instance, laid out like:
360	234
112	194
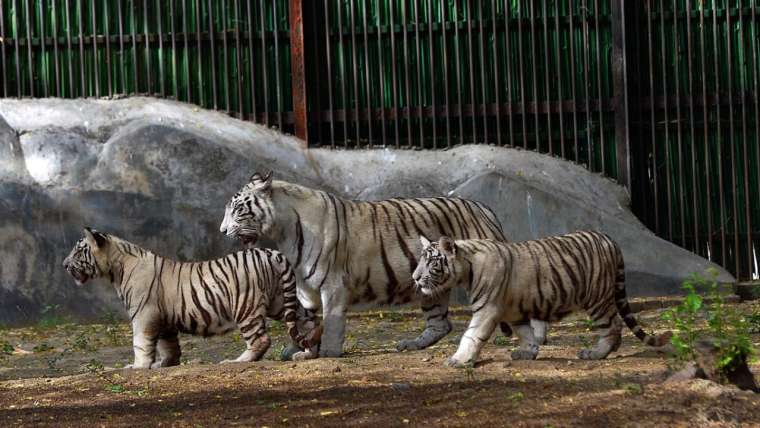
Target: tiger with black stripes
164	297
348	252
544	279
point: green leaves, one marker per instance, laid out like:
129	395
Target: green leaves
728	329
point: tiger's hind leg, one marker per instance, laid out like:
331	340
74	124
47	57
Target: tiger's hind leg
528	349
437	324
168	350
608	326
255	335
539	330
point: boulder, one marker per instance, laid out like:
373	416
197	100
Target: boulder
159	172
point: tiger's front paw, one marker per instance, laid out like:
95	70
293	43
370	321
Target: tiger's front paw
289	352
305	355
408	345
524	354
454	362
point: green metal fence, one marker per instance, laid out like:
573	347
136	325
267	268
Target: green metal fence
661	95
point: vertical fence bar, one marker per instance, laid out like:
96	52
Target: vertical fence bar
2	50
135	65
122	68
160	29
731	137
496	74
186	37
600	92
43	47
756	99
407	95
719	141
573	93
56	59
652	121
560	96
706	122
368	87
523	107
547	76
330	74
95	61
745	155
587	85
238	62
381	60
16	48
355	76
470	61
534	75
30	55
664	78
392	32
433	100
418	61
225	58
460	88
298	70
212	36
692	136
446	95
679	138
484	95
508	66
251	59
107	30
146	33
277	65
264	68
620	89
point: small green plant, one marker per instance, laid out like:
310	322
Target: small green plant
6	348
516	396
395	316
94	366
727	328
50	317
469	372
115	388
82	343
501	341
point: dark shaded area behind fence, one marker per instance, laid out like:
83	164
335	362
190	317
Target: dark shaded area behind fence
661	95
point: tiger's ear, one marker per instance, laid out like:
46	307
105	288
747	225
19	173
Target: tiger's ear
448	246
262	182
94	238
424	241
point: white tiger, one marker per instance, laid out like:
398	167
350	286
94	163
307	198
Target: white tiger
164	297
545	279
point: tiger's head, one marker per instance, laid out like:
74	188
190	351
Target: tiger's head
88	259
436	271
250	212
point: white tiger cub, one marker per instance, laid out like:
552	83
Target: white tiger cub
348	252
544	279
164	297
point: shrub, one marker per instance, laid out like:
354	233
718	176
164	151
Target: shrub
728	329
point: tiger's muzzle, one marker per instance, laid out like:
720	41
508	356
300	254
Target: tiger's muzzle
80	277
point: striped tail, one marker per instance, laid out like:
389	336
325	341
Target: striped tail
291	306
624	309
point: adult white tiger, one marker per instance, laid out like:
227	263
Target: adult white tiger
346	252
164	297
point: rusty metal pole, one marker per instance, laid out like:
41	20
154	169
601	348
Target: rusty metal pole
298	70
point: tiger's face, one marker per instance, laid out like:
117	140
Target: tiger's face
82	263
435	272
250	212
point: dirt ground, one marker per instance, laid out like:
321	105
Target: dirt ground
61	374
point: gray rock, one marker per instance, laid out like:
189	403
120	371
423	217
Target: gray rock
159	172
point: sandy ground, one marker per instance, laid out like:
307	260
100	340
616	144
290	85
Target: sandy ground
64	374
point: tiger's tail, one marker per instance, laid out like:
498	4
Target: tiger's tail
624	309
292	305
